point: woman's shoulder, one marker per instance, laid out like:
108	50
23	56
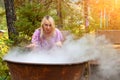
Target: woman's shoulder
57	30
37	30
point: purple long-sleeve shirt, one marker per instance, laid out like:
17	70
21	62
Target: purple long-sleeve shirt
46	44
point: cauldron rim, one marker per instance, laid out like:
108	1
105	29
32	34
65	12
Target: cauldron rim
31	63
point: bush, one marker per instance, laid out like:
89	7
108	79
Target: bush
5	44
3	24
28	19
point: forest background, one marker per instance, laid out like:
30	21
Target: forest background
77	16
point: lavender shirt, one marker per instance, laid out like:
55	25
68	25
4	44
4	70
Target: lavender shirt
43	43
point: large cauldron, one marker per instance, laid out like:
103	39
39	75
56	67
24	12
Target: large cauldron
35	71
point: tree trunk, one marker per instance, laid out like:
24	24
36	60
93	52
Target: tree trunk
59	13
86	21
10	17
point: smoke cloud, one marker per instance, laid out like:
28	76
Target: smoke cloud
85	49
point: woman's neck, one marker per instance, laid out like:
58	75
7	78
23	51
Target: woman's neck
48	36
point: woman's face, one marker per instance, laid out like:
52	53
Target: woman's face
47	27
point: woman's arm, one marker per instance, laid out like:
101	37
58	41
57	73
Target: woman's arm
59	38
35	39
32	45
59	44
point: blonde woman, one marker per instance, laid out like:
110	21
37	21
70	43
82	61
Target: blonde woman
47	36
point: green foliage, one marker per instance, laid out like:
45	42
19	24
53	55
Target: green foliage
72	18
77	30
2	19
28	19
1	3
5	44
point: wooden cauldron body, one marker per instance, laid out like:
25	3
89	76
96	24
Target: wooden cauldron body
29	71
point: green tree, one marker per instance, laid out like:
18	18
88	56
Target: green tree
28	19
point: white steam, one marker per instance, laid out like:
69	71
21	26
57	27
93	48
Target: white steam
72	51
87	48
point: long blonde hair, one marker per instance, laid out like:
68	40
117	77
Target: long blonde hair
51	20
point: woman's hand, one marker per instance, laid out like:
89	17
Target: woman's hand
31	46
59	44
